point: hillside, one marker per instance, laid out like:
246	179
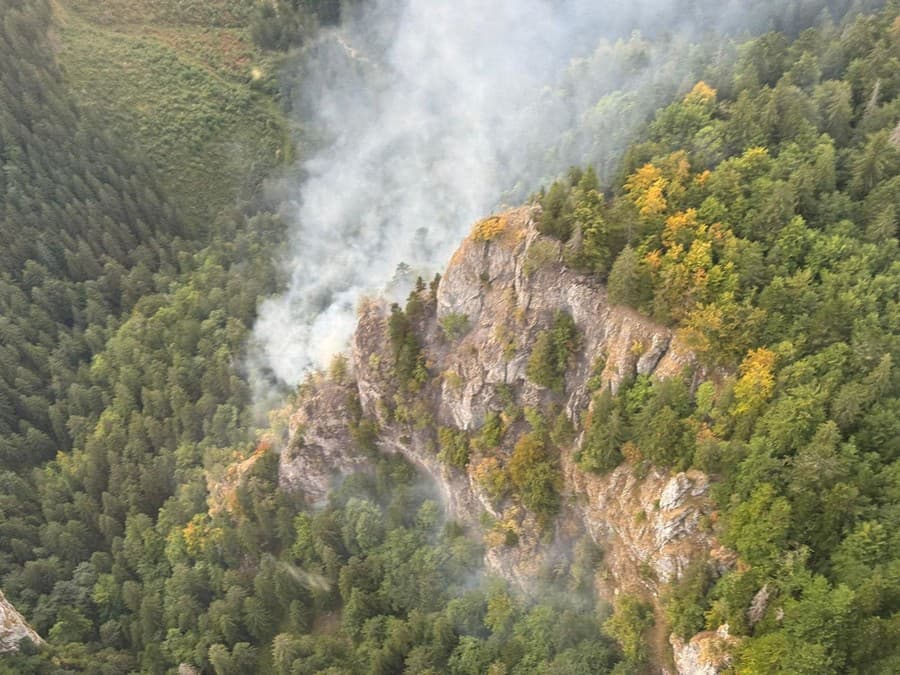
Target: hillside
501	448
187	86
125	296
645	421
730	447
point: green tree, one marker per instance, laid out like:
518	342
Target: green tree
454	447
552	350
758	527
606	431
285	650
627	626
629	280
535	474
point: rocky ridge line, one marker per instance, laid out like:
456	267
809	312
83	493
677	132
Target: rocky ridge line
505	287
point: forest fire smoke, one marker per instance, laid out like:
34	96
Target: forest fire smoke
432	114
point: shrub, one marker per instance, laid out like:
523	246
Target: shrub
453	380
455	325
489	229
549	358
535	475
540	253
491	431
454	447
493	478
563	431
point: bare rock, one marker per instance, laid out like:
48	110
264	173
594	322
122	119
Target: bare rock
13	628
680	487
509	288
649	525
707	653
320	448
759	605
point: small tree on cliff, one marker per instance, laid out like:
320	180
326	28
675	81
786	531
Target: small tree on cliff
629	280
550	357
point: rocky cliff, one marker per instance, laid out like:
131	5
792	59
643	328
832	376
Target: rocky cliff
476	329
14	628
707	653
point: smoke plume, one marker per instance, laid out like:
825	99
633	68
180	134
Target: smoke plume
430	114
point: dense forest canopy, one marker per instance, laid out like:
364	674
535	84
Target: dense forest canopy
84	228
759	217
756	213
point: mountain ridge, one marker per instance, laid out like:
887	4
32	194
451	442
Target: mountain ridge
647	520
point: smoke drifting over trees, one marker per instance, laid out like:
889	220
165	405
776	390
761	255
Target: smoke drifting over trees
431	114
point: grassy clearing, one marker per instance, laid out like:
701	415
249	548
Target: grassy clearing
226	52
196	12
185	96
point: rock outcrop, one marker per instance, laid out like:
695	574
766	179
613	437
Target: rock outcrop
509	287
13	628
320	446
502	288
707	653
651	527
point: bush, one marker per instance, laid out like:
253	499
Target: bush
491	432
454	447
549	358
542	252
455	325
493	478
629	280
563	431
489	229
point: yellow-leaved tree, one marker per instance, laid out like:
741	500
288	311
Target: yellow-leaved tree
755	385
646	189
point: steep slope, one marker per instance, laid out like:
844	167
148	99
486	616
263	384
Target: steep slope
476	329
186	85
109	235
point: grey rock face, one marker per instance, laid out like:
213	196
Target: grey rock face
640	533
679	488
14	628
707	653
320	448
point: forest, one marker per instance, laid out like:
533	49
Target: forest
755	214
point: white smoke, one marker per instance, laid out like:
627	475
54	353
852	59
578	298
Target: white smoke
431	112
